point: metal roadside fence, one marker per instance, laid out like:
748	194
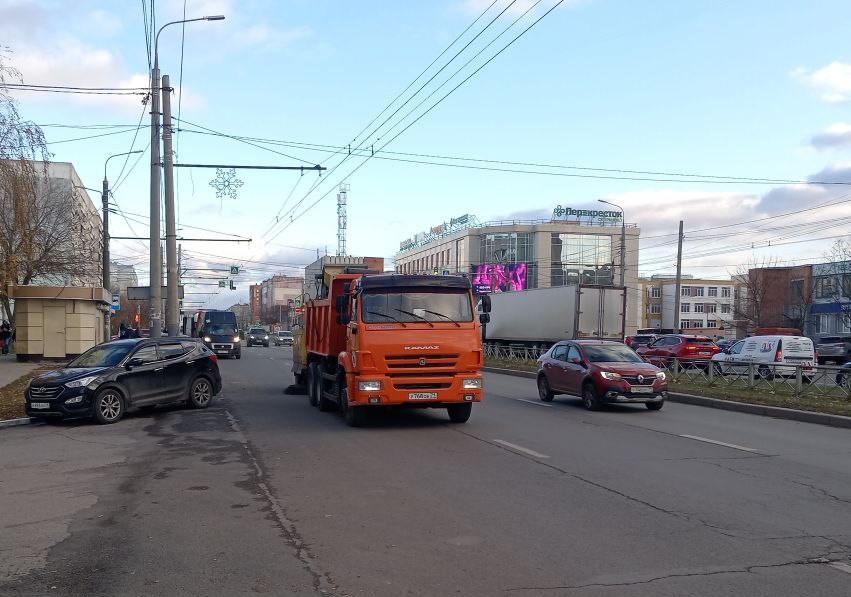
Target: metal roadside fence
775	378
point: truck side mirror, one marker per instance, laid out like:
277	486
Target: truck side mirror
484	318
343	319
340	305
486	303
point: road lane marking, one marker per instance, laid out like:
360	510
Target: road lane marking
520	448
841	566
717	443
534	402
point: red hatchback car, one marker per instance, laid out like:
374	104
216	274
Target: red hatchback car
695	351
600	371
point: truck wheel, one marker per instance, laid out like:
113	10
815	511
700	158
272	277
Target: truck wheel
325	405
589	397
311	385
355	416
459	413
544	391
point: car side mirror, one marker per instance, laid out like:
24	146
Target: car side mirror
134	362
486	303
484	318
576	361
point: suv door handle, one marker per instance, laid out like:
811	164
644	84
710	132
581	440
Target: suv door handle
158	369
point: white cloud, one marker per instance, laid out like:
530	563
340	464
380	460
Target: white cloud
832	81
836	135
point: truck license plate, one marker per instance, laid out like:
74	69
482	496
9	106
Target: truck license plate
641	390
39	405
422	396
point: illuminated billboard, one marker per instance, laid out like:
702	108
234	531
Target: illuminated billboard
499	277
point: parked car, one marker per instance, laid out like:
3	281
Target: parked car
283	338
600	372
834	348
769	353
114	376
639	340
223	339
694	351
258	336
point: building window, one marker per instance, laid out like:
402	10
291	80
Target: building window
685	291
685	308
655	292
511	247
725	292
581	259
725	309
655	309
823	324
711	323
825	287
698	308
710	308
712	291
697	291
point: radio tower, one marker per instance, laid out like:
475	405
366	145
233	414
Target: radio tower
341	219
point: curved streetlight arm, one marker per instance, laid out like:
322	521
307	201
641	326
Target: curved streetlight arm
115	156
612	204
157	37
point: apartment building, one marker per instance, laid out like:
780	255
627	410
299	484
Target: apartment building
707	306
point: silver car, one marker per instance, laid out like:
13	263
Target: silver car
834	348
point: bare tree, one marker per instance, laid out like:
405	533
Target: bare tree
751	292
836	285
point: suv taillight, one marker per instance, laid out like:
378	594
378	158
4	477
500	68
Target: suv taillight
214	358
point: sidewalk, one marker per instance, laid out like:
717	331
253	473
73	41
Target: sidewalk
11	369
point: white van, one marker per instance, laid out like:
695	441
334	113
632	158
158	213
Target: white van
766	351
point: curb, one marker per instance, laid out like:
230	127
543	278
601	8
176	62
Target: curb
777	412
18	422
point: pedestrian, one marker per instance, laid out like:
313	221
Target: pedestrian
122	331
5	337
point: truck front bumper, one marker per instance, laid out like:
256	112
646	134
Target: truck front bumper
423	392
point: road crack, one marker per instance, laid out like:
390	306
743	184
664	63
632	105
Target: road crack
322	581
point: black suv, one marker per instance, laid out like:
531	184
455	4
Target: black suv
258	336
106	380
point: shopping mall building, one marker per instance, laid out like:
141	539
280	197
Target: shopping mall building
574	247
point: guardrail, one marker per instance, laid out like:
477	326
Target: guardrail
773	378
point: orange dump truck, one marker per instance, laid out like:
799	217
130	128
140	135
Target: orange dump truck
380	340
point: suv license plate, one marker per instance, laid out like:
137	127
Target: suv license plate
641	390
422	396
39	404
703	353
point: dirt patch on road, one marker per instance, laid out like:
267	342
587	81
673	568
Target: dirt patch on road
12	395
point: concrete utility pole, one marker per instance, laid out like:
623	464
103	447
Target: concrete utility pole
172	279
679	280
106	273
156	277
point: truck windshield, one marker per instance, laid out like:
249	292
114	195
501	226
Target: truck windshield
411	306
219	329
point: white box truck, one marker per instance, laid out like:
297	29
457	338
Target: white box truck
540	317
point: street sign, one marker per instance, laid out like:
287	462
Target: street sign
143	293
234	270
223	283
116	301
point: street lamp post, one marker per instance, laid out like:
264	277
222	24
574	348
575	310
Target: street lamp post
105	201
156	258
623	254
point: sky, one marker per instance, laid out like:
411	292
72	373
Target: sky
753	97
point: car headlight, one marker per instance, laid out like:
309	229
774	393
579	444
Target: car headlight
236	338
369	385
471	384
661	375
206	338
265	337
610	375
82	382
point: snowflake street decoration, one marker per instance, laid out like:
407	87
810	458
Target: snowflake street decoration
226	183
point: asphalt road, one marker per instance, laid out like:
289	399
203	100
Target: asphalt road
262	494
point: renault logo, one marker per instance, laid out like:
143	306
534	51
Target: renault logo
422	362
640	379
